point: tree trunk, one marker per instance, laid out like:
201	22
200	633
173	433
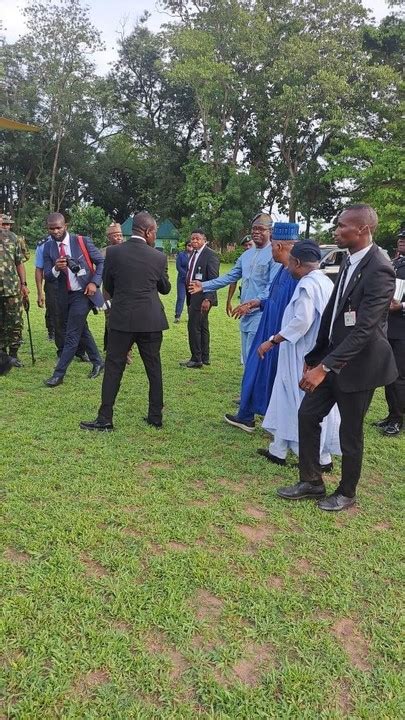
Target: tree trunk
292	209
54	171
308	225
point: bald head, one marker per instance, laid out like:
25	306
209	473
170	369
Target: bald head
144	225
355	227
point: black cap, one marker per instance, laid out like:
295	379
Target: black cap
306	251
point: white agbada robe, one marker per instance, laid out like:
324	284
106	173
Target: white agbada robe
299	327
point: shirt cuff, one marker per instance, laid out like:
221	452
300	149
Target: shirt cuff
55	272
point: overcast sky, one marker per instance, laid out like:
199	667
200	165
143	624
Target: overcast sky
109	16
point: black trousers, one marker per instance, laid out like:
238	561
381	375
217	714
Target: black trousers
119	344
53	315
76	330
314	407
198	334
395	392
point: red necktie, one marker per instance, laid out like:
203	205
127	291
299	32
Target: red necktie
62	253
191	268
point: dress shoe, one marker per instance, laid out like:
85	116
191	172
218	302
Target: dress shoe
392	428
54	381
246	425
176	320
96	371
101	425
272	458
381	423
302	490
191	364
327	468
83	357
206	362
15	362
336	502
157	425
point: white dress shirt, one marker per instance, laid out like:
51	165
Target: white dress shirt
355	259
74	283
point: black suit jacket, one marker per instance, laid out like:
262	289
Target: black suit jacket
134	275
361	355
396	319
208	265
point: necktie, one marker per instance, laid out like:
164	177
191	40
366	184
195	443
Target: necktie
191	268
343	280
62	253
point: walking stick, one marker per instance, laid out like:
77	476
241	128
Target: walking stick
26	304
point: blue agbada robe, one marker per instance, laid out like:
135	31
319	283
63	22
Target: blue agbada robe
259	375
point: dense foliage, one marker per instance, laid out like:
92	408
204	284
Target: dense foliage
234	106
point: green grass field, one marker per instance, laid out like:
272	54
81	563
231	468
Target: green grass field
151	574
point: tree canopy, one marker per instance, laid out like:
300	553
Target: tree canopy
233	106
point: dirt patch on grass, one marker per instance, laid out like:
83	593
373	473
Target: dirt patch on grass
344	700
18	557
145	469
302	567
237	487
10	657
157	644
93	568
256	534
354	644
132	532
382	526
204	644
89	682
121	626
256	512
257	659
275	583
207	606
174	545
199	503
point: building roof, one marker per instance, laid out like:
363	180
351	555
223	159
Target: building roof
166	230
8	124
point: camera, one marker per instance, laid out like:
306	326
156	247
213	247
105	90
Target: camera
73	265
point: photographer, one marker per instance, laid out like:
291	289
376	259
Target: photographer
76	266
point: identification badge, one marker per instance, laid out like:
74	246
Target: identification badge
198	276
350	318
81	272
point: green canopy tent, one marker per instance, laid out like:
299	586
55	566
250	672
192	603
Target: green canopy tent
167	232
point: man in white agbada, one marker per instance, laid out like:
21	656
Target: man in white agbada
299	329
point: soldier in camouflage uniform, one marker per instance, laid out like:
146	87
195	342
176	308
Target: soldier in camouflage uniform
13	288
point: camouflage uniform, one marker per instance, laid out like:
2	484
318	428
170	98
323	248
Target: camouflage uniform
25	251
10	295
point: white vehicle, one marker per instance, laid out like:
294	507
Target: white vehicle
332	257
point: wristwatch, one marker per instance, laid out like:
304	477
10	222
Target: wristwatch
325	369
271	339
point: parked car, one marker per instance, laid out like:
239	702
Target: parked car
332	257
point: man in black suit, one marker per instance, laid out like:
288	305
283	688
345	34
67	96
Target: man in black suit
203	265
352	357
134	275
395	392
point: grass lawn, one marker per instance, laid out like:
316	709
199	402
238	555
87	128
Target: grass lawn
151	574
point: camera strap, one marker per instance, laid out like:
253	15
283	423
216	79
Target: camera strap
85	252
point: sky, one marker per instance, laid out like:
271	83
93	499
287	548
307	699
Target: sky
125	12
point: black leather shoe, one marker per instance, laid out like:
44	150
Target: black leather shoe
96	371
82	357
327	468
336	502
302	490
101	425
271	458
392	428
191	364
206	362
15	362
381	423
246	425
154	424
54	381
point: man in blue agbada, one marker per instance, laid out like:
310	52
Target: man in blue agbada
257	269
259	375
